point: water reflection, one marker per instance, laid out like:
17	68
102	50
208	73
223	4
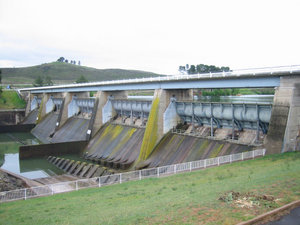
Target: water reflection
30	168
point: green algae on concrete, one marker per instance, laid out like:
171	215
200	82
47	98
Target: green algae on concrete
150	137
215	152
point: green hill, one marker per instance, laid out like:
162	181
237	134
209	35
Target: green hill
67	73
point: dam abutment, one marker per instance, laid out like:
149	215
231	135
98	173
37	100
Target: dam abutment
283	134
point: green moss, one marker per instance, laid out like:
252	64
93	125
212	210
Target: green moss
216	151
202	148
125	138
150	137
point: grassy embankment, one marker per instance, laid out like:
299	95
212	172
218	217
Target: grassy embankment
190	198
62	73
9	99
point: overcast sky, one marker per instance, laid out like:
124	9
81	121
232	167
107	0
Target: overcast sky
153	35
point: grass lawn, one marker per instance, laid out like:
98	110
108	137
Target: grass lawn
9	99
190	198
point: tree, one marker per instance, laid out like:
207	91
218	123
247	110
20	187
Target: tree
61	59
81	79
38	82
74	62
66	61
181	69
48	81
202	68
192	70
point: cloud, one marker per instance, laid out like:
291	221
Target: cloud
151	35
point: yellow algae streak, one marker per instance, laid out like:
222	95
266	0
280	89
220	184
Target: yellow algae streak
150	137
216	151
125	138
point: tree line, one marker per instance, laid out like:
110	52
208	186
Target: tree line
202	68
39	81
62	59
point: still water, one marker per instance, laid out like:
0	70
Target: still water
30	168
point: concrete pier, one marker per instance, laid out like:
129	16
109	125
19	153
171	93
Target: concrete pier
284	125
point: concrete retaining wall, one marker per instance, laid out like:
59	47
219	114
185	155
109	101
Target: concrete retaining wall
31	151
17	128
11	117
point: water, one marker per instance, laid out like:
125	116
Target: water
29	168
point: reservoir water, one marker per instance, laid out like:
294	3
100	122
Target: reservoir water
30	168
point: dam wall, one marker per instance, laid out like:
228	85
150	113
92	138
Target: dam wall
130	133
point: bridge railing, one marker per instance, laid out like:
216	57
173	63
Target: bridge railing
233	73
56	188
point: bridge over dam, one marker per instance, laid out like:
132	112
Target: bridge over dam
125	134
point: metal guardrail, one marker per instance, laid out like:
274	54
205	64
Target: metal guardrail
235	73
56	188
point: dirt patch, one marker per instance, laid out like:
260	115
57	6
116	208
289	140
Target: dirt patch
249	200
8	183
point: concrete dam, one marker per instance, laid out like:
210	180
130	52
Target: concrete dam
122	134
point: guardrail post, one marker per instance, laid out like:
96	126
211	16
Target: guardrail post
264	152
230	158
218	161
76	184
25	193
120	178
242	156
175	167
252	154
140	174
99	183
204	163
157	171
52	192
190	166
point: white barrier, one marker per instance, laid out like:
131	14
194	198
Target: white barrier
124	177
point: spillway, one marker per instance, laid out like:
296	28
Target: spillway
31	117
176	148
45	128
116	145
73	130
